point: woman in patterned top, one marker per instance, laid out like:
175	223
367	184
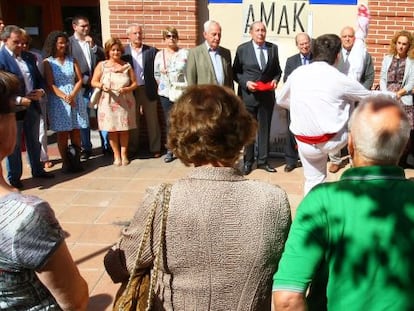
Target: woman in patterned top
169	68
36	269
397	75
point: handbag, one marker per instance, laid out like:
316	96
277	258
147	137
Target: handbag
177	87
94	100
137	294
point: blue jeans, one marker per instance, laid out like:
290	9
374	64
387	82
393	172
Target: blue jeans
30	127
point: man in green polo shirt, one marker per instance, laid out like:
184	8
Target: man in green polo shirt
356	236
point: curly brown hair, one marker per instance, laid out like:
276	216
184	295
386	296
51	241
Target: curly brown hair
209	124
403	33
49	47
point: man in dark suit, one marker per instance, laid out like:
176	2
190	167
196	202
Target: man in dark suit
88	54
23	65
304	57
257	71
141	57
367	79
210	63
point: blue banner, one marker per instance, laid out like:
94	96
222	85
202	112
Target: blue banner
346	2
225	1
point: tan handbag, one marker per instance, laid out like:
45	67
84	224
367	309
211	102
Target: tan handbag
137	294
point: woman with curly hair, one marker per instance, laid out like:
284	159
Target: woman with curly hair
397	75
224	233
66	108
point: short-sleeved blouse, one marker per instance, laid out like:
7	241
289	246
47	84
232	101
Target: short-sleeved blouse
29	235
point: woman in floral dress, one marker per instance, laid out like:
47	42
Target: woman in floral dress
66	108
116	106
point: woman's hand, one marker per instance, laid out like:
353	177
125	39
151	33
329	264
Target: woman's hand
105	88
68	98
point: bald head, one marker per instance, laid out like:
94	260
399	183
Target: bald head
379	131
347	37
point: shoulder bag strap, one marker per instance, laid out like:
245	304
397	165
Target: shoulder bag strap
166	189
146	238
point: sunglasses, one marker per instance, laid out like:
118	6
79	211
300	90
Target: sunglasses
171	37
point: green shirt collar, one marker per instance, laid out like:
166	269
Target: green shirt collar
374	172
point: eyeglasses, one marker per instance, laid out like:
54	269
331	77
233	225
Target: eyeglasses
169	36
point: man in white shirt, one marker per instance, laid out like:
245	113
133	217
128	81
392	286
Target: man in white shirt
320	108
88	54
141	57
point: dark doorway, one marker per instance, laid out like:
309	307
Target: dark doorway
91	12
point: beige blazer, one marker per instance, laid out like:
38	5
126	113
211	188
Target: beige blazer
200	69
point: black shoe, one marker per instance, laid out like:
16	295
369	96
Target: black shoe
169	157
247	169
107	152
85	154
45	175
267	168
289	167
16	184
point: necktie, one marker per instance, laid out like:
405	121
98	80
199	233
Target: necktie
346	63
262	59
304	60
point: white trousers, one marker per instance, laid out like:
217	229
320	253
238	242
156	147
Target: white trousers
314	158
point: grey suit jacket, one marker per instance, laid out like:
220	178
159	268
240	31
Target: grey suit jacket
76	51
246	68
368	74
200	69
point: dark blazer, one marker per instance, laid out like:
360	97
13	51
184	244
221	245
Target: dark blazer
76	51
367	77
200	69
246	68
8	63
292	63
148	56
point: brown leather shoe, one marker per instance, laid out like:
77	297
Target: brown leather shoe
333	168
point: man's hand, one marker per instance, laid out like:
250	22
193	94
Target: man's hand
25	101
36	94
90	41
251	86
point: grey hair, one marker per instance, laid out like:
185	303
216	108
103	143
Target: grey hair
208	24
302	34
378	145
8	30
128	30
254	23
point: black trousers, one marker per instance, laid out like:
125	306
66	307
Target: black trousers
291	150
263	114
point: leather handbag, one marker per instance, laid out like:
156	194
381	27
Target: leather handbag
137	293
177	88
94	100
